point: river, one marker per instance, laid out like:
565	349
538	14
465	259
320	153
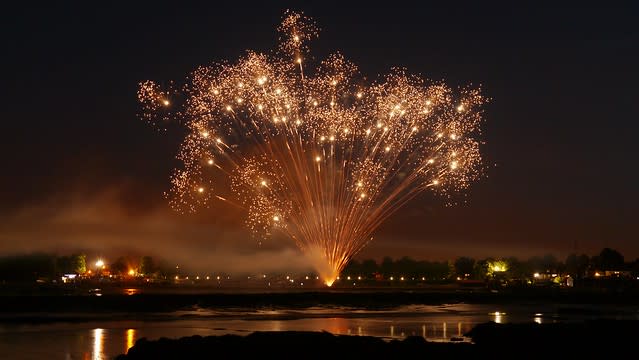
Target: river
105	339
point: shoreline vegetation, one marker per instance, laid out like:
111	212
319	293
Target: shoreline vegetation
609	268
488	339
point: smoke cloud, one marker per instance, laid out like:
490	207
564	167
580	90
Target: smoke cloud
105	225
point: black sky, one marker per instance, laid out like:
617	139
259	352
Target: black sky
560	130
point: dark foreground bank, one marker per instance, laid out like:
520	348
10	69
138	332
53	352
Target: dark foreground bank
587	340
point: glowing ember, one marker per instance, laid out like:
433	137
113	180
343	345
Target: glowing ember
317	155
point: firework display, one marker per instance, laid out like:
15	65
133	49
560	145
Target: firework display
313	150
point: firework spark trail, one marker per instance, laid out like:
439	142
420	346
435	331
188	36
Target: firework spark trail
317	155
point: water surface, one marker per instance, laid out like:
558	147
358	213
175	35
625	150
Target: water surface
104	339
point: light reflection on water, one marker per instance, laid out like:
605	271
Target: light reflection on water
98	344
107	339
498	316
130	339
430	331
131	291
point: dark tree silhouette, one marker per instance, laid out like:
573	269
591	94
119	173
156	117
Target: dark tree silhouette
577	266
147	266
369	268
120	266
610	259
464	265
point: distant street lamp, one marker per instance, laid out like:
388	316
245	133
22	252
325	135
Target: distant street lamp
99	264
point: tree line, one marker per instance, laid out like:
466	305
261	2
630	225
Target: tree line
29	267
463	267
47	266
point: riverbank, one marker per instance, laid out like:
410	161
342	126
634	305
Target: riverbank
530	340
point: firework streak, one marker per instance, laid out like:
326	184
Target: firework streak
320	155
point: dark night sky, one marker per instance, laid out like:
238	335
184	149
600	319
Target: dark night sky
80	170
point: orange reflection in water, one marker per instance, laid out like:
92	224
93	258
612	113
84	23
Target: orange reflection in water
131	291
335	325
431	331
130	339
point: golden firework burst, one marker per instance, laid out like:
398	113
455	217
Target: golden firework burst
318	154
